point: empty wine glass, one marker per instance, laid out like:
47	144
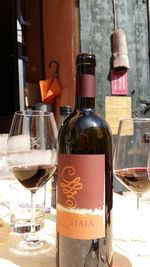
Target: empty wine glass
130	168
32	158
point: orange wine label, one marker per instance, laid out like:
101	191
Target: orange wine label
81	197
82	226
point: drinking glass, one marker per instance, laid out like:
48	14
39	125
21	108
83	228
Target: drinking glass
130	168
32	158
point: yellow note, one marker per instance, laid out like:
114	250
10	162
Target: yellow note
117	108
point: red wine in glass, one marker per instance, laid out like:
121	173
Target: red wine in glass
33	176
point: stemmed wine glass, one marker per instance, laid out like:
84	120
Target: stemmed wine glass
130	168
32	158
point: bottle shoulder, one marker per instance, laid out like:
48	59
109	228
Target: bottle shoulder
85	120
85	132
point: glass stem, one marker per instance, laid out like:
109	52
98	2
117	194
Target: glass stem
138	201
33	195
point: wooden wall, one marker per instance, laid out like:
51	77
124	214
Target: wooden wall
97	24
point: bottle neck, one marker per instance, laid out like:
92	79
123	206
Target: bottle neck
85	91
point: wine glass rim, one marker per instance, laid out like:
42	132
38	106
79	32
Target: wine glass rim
34	113
135	119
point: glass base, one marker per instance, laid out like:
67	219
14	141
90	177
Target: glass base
29	244
135	247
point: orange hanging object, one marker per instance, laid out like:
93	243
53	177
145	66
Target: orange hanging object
50	88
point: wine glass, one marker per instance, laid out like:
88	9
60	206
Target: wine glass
130	168
32	158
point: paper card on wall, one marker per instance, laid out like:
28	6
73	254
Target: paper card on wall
116	109
119	82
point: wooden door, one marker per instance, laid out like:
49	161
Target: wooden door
97	25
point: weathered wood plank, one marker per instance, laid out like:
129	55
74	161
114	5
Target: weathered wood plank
97	24
135	25
96	27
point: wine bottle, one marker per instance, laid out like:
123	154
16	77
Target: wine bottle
65	111
84	185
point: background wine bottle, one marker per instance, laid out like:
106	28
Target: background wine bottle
84	179
65	111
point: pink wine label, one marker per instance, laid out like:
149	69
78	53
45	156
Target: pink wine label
81	197
119	82
86	85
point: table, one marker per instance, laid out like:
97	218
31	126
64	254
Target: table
124	222
9	259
